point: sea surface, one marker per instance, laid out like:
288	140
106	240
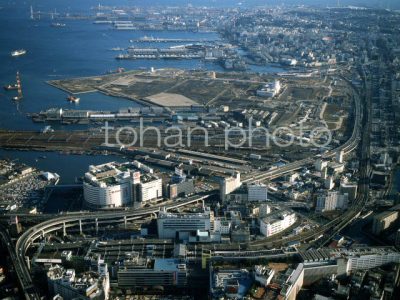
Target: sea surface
79	49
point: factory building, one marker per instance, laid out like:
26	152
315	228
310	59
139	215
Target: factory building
331	200
168	272
271	89
171	225
276	222
383	221
257	192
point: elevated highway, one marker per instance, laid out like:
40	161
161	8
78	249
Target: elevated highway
78	219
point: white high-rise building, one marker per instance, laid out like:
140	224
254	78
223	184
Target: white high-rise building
383	221
340	156
329	183
119	184
229	184
149	188
320	164
332	200
107	186
257	192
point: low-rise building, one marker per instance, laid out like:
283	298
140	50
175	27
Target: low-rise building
222	225
276	222
168	272
263	275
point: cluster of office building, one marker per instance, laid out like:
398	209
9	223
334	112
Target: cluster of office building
273	284
69	285
114	185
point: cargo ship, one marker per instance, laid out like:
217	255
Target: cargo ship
58	25
11	87
72	98
18	52
117	49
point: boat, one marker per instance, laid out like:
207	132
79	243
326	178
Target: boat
11	87
116	71
18	52
72	98
47	129
117	49
58	24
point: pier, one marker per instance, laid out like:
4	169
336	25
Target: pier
159	53
147	39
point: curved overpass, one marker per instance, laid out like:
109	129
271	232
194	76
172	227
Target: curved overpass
39	230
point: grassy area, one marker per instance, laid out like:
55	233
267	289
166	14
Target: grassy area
331	113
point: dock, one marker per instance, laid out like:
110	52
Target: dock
147	39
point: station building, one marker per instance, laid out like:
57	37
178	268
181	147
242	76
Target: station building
180	225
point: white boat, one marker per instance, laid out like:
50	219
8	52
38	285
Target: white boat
58	24
18	52
72	98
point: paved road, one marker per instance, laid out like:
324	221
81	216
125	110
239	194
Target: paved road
22	273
